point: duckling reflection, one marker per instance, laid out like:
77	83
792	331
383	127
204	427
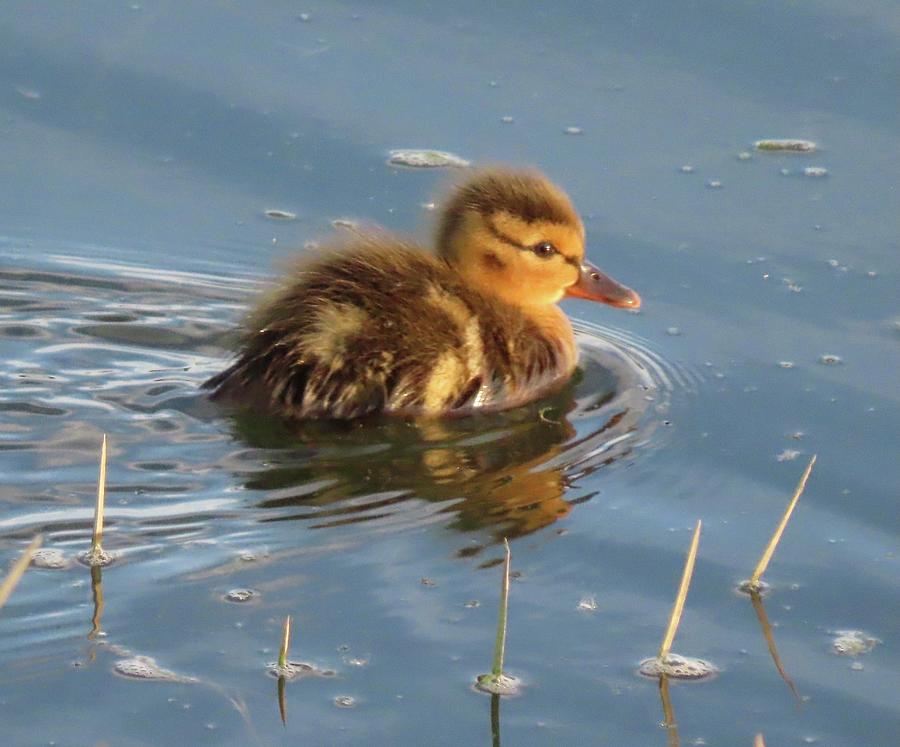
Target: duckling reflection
509	472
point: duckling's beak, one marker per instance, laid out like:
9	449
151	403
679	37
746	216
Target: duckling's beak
595	286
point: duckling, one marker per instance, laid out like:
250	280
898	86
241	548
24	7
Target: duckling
375	324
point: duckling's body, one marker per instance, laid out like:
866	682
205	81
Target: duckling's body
377	324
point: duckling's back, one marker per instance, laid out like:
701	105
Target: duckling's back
381	326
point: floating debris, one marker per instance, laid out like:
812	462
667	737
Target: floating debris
96	557
788	455
280	214
829	359
588	604
425	581
852	642
428	206
345	223
507	120
472	604
673	331
785	364
292	670
241	595
714	184
762	588
426	159
145	668
789	145
50	559
574	131
501	684
344	701
816	172
744	156
29	93
677	667
687	169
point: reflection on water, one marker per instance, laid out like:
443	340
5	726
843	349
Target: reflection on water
510	472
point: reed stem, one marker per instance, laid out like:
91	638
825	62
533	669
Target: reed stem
285	643
779	530
678	608
97	536
500	642
15	574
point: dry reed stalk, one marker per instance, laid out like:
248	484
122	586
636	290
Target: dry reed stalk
15	574
678	608
763	563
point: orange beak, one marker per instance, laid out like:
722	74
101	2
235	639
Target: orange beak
595	286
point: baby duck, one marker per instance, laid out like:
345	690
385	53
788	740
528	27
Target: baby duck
375	324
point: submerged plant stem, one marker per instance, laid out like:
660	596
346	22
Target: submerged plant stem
15	574
500	643
678	608
101	502
779	530
285	643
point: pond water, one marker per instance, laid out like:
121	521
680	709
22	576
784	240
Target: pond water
141	146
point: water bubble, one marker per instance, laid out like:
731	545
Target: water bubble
816	172
673	331
507	120
829	359
714	184
573	131
744	156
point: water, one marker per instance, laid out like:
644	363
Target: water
141	146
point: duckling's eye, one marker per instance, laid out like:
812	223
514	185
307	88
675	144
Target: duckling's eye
545	249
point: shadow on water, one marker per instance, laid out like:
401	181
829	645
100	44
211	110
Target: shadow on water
510	473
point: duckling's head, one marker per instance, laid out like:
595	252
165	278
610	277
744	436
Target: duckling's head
515	234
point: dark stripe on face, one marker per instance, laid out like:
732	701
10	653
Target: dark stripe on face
498	234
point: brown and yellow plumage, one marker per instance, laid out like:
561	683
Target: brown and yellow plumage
376	324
